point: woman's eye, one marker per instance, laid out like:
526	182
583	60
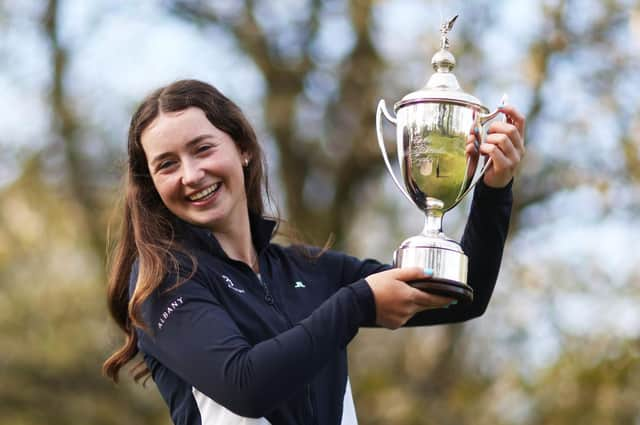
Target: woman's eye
203	148
165	164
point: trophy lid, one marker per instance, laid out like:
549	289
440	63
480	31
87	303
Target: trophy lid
443	85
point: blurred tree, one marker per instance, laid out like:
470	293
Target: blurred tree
52	324
595	386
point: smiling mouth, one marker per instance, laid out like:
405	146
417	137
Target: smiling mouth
205	193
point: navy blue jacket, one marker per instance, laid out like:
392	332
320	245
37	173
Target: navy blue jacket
275	348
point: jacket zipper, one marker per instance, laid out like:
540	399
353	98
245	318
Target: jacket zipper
269	299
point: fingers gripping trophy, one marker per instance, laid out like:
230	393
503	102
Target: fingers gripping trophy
438	131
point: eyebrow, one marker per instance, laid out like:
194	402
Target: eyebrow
189	144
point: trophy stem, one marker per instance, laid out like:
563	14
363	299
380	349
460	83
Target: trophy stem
432	222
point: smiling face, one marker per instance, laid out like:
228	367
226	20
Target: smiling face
196	168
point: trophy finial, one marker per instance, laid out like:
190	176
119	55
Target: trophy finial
444	61
444	30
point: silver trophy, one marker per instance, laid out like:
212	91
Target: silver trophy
438	131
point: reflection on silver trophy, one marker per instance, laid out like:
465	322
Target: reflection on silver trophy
440	163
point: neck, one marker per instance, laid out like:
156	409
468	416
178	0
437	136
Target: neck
237	243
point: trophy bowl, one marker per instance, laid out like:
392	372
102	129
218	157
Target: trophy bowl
432	142
438	131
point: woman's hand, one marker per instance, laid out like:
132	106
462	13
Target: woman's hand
397	302
505	146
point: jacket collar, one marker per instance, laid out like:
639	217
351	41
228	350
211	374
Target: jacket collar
262	230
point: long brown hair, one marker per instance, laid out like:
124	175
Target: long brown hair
147	233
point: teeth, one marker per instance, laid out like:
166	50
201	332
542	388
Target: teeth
205	192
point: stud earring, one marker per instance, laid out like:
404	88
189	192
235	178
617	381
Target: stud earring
246	162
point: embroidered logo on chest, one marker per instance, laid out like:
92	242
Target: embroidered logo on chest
169	310
231	285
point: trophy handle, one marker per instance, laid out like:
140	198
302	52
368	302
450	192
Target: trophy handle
481	120
382	109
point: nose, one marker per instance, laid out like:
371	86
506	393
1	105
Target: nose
192	174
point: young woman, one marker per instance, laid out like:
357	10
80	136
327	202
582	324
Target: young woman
235	329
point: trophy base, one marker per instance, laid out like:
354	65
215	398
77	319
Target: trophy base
447	288
449	267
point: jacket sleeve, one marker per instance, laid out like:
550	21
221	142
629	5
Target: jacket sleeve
194	336
483	242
